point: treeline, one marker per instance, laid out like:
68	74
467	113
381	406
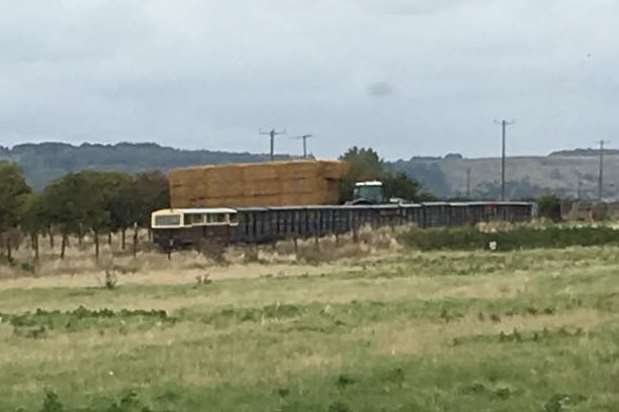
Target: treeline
98	203
366	164
87	203
43	162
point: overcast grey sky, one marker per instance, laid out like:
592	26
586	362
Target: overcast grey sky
408	77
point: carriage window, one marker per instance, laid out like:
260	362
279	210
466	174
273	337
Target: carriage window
233	218
168	220
216	218
195	219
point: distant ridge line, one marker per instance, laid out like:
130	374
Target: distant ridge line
583	152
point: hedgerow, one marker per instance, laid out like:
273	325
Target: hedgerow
469	238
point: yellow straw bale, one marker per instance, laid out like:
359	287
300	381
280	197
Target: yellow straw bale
261	184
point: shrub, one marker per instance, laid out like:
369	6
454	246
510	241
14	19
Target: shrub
549	207
251	254
27	267
214	251
52	403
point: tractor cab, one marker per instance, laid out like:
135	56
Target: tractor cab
368	193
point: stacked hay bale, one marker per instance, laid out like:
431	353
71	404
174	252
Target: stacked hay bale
303	182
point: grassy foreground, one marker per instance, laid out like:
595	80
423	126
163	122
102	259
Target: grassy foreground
533	330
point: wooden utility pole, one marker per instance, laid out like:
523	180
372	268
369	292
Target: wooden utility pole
272	133
304	138
504	124
601	172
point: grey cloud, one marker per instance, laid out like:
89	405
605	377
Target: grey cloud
380	89
419	7
208	73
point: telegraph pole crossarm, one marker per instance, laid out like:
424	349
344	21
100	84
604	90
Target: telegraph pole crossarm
304	138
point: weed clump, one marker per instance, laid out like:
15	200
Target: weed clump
28	267
339	406
563	402
516	336
500	392
111	280
130	402
396	376
51	403
204	279
344	380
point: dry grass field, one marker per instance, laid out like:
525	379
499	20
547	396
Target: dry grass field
379	328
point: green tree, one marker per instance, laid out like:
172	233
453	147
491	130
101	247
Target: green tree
399	185
135	198
366	164
120	200
97	208
61	198
427	172
101	202
124	207
13	190
153	193
549	206
34	219
78	201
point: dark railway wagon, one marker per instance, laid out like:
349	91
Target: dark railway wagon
176	228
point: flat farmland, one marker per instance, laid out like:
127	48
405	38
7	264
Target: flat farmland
534	330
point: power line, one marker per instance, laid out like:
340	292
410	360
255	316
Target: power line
272	133
304	138
504	124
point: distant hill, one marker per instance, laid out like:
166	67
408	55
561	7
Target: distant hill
583	152
568	173
572	173
44	162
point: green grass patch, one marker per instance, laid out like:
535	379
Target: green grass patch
534	330
40	323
